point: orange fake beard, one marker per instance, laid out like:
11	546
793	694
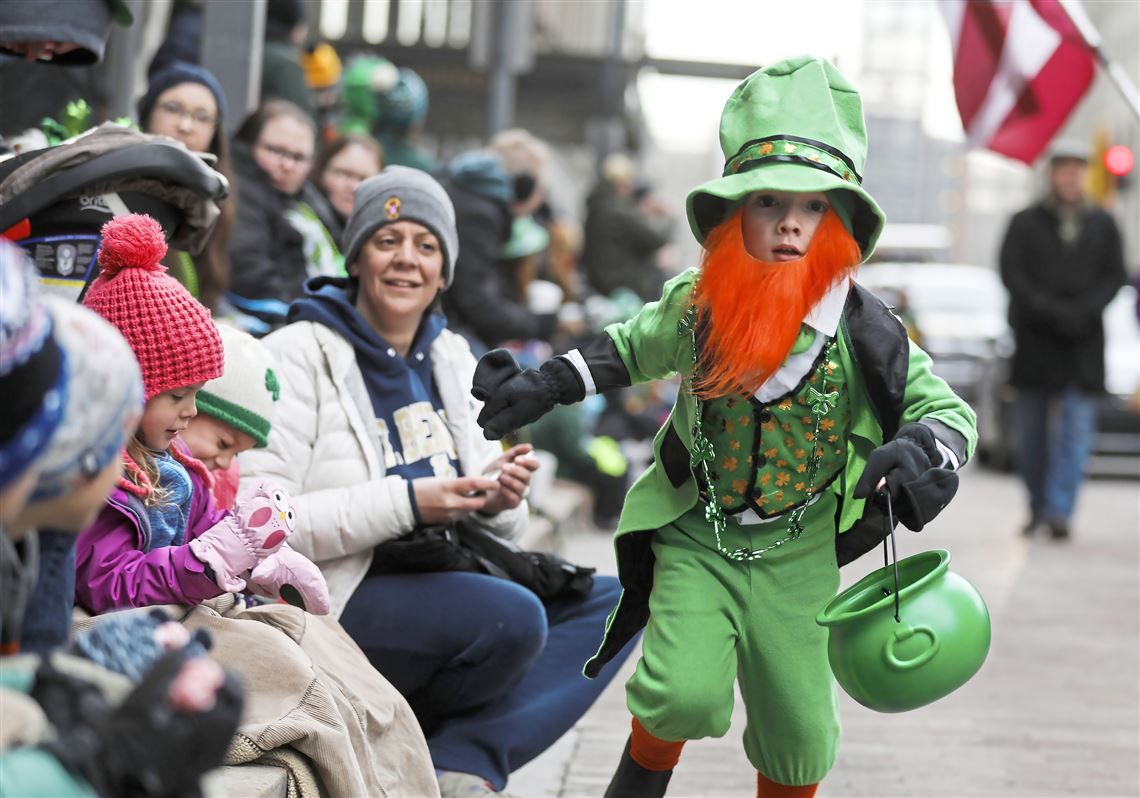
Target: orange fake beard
751	310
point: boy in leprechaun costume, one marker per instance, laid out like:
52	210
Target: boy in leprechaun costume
800	393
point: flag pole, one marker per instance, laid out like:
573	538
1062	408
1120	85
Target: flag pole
1115	72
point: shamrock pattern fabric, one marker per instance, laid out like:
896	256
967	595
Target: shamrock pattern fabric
763	451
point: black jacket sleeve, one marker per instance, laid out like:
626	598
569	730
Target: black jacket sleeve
266	252
598	365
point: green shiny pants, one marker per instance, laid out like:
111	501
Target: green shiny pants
714	622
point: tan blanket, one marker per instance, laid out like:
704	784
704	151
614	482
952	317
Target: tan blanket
310	689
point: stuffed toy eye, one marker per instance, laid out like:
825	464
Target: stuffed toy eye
291	519
279	500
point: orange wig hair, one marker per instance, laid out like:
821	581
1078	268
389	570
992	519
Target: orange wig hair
751	310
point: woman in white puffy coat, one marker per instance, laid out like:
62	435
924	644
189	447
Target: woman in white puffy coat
376	436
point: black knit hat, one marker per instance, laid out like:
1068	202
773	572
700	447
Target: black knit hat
173	74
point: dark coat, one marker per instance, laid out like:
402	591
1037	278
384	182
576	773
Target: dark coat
477	302
267	253
1057	293
620	244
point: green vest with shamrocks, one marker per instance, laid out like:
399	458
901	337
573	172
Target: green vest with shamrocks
764	449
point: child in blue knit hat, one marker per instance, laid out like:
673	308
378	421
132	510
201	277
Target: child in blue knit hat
81	466
33	382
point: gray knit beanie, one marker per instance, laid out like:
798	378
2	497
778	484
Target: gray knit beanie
400	193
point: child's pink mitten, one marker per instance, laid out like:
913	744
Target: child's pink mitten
293	577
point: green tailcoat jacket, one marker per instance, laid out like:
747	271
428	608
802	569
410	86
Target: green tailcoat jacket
889	380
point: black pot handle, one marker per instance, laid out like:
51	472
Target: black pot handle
889	519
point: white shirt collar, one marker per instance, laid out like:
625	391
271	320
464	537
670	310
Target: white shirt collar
824	317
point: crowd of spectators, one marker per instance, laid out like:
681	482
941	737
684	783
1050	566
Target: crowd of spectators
285	355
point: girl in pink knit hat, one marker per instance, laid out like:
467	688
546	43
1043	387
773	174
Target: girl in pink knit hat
161	539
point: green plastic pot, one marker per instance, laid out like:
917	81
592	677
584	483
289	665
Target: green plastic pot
896	651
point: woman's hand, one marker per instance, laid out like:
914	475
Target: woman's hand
515	468
441	501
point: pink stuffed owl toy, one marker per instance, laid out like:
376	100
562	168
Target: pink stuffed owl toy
267	515
247	551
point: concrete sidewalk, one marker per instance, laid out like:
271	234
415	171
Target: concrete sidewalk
1055	710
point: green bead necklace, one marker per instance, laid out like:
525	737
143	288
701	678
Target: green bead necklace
703	453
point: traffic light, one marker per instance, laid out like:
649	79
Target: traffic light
1119	162
1110	169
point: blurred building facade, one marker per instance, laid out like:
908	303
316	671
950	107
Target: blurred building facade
568	72
570	62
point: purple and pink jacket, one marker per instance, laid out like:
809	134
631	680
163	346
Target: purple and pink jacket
114	570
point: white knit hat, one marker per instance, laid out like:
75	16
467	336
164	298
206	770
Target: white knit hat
245	395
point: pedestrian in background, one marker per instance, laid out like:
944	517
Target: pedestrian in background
342	165
186	103
623	234
280	240
68	33
1062	262
479	305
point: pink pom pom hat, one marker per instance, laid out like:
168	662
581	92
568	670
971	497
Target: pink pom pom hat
172	334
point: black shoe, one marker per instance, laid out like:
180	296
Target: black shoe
631	780
1059	530
1033	526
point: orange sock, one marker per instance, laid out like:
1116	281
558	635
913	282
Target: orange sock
766	788
652	753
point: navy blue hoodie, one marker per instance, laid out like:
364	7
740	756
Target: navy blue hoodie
409	412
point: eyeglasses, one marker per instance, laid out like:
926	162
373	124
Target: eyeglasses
199	117
344	174
299	158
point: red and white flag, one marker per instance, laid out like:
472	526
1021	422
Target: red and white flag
1019	69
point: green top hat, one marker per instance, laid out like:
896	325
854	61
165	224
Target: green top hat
794	126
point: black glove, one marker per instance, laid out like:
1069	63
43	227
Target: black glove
146	746
513	398
68	701
919	490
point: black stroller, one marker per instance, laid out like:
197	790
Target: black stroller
53	202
